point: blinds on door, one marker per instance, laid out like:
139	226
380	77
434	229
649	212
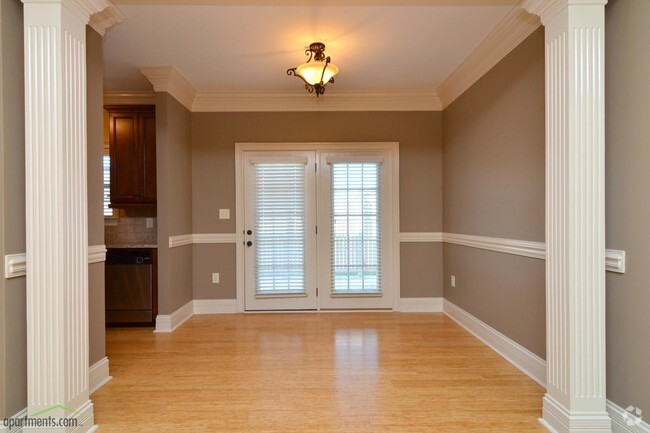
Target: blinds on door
279	236
355	235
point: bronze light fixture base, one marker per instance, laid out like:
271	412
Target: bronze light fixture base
313	72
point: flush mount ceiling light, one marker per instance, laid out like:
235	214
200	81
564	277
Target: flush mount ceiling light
317	71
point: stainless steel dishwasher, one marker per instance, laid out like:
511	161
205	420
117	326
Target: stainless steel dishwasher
130	287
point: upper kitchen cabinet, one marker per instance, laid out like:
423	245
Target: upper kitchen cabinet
132	141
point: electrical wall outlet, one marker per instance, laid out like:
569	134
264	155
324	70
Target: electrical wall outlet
224	214
453	281
149	223
215	278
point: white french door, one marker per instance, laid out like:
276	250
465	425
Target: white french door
280	231
318	230
355	244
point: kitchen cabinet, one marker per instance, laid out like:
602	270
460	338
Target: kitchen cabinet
132	140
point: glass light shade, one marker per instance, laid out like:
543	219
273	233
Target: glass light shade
313	71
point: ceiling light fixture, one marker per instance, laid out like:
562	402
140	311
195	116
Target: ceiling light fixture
317	71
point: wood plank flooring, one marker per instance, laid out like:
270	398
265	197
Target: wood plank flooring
336	372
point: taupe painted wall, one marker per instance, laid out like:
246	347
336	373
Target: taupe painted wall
494	150
213	151
494	186
628	200
95	95
13	350
3	348
174	182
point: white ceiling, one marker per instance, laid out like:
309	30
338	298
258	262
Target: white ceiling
218	46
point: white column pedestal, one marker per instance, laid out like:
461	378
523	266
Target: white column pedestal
56	207
575	214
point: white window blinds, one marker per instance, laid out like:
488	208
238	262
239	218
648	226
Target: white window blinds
108	211
279	234
356	234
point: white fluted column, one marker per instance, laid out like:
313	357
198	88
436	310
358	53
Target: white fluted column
56	205
575	214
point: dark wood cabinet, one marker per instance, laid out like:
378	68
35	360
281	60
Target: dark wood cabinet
132	135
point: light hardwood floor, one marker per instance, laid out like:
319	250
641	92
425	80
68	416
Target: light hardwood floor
338	373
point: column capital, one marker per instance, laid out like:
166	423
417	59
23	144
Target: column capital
84	9
548	9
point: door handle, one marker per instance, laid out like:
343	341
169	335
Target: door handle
249	243
249	232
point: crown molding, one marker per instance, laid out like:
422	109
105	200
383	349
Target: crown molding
106	19
317	2
303	101
167	79
509	33
129	98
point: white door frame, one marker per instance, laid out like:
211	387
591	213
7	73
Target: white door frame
240	148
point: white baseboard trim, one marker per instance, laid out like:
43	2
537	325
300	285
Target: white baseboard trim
557	419
215	306
99	374
535	368
85	415
420	305
21	414
522	358
624	421
168	323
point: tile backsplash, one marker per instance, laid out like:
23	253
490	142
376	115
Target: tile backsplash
129	231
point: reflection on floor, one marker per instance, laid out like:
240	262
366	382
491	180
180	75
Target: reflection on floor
334	373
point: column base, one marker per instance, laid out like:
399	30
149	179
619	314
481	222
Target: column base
557	419
82	421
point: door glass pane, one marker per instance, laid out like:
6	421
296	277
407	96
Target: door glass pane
355	228
279	228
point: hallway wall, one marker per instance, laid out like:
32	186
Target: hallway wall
494	186
174	183
95	103
13	336
627	111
